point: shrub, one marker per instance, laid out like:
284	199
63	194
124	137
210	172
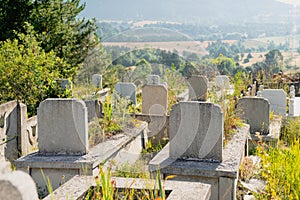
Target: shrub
291	131
28	73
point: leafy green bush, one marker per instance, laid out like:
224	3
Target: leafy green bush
27	73
291	131
280	169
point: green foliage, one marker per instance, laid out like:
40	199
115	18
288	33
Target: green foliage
27	72
280	169
225	65
97	61
231	120
290	131
142	71
105	188
246	60
61	31
57	26
13	15
176	85
150	148
241	80
274	59
109	122
126	57
136	170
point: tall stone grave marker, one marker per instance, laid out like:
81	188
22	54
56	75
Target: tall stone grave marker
153	80
154	99
294	104
63	127
277	99
64	84
198	86
126	90
256	112
94	108
222	82
196	131
97	80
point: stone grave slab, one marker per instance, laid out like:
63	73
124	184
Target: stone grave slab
256	112
154	99
198	87
126	90
62	127
196	131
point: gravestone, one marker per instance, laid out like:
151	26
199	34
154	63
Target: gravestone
198	86
16	185
261	88
277	99
97	80
94	108
165	84
292	92
126	90
196	131
63	127
154	99
222	82
64	84
294	104
153	80
256	112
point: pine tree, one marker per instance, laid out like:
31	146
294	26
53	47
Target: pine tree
13	15
61	31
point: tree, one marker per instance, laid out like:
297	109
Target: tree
97	62
62	32
13	15
142	71
27	72
225	65
273	60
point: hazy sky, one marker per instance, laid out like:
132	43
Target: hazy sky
293	2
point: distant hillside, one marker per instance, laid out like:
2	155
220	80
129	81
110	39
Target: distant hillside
188	10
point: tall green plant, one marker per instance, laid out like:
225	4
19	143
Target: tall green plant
60	30
27	72
280	169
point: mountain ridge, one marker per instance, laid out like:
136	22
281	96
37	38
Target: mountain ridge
188	10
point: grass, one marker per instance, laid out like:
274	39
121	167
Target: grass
280	165
106	189
231	121
280	169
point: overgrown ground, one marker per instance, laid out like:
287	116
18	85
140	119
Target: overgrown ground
278	168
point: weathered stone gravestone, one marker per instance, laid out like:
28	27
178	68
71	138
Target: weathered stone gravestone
222	82
94	108
126	90
97	80
63	127
153	80
277	99
256	112
253	89
198	86
16	185
154	99
294	104
196	131
65	84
